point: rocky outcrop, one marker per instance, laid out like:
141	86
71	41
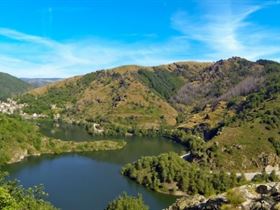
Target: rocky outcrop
254	197
198	202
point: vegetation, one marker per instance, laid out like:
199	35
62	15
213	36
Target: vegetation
13	196
20	138
11	86
264	177
164	82
235	197
16	134
222	80
59	146
109	98
226	113
276	145
171	174
244	129
125	202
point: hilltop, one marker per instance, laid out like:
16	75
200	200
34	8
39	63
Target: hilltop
11	86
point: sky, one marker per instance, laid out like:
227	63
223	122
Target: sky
63	38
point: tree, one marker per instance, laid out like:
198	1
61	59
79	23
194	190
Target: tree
6	200
125	202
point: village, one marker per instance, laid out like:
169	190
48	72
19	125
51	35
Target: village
11	107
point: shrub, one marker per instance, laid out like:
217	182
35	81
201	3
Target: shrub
235	197
125	202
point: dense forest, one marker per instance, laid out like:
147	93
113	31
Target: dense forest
170	173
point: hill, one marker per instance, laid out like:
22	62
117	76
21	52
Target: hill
126	97
11	86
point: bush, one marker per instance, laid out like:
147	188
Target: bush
235	197
276	144
264	177
13	196
125	202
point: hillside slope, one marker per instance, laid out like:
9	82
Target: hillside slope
252	137
128	96
10	86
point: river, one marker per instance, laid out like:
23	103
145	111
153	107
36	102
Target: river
88	181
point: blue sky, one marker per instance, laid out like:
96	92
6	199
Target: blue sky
62	38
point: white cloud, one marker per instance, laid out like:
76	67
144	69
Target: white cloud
225	30
216	31
27	55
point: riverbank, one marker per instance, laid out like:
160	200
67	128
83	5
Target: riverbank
56	146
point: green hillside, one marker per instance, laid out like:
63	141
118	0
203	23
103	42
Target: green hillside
251	138
11	86
124	98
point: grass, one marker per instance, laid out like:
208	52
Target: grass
246	141
58	146
242	145
209	115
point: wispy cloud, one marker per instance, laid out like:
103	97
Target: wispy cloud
217	30
27	55
225	29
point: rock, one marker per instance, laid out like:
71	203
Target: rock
260	205
187	201
262	189
270	168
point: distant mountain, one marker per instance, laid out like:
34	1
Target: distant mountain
39	82
10	86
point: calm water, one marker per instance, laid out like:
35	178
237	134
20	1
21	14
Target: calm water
88	181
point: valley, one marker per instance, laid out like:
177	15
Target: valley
225	115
